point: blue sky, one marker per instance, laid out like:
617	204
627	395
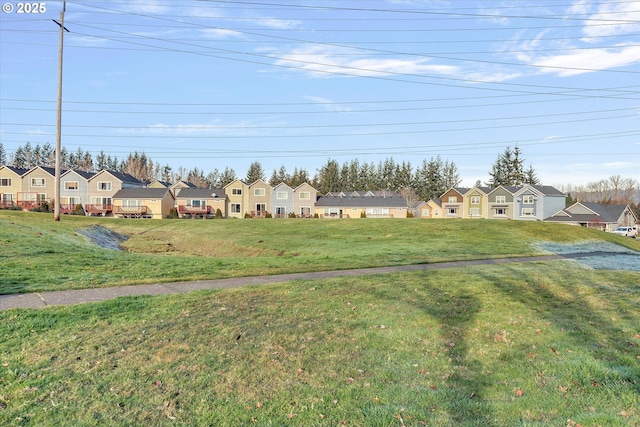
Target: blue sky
215	84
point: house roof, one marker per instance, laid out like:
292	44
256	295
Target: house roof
17	171
389	200
548	190
201	193
125	178
83	174
141	193
600	213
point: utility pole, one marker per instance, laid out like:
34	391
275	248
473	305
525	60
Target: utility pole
56	190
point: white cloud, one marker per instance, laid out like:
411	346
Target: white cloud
613	19
322	61
584	61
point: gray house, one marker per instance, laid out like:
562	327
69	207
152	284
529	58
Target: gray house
282	200
594	215
537	202
74	190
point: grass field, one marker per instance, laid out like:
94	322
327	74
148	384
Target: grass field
531	344
39	254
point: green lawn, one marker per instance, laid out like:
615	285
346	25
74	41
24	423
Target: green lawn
39	254
530	344
503	345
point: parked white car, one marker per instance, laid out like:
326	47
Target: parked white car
627	231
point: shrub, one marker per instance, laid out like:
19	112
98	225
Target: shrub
173	213
218	213
363	214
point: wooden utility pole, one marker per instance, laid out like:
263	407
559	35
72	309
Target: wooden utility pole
56	189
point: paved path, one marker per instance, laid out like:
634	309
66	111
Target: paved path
45	299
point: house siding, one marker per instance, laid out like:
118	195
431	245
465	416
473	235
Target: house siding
282	207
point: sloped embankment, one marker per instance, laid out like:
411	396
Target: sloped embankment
103	237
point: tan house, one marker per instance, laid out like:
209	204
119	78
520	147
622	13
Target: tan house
259	199
362	204
103	186
237	198
475	203
453	202
304	200
10	186
201	202
38	186
153	203
429	209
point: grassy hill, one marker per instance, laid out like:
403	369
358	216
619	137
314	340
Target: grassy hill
39	254
532	344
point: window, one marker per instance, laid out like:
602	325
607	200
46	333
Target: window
527	212
282	195
501	199
452	211
527	200
501	212
258	191
236	191
281	210
70	201
377	212
101	200
475	200
104	186
7	197
5	182
425	212
453	199
261	207
474	211
37	182
130	203
197	203
305	195
235	208
435	212
71	185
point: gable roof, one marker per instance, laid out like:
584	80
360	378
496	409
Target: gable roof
390	199
83	174
142	193
17	171
125	178
201	193
599	213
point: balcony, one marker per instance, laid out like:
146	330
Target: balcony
130	211
190	211
98	209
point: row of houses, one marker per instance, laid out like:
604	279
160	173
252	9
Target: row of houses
109	193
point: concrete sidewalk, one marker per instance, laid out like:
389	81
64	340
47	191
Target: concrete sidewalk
79	296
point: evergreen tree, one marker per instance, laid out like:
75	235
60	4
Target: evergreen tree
531	177
101	161
255	172
299	176
227	176
508	169
328	178
3	155
451	176
279	176
48	155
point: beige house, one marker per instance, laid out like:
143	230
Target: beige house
304	200
10	186
153	203
259	199
38	186
362	204
237	198
475	203
103	186
429	209
200	202
594	215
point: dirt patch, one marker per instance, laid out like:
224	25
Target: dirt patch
103	237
